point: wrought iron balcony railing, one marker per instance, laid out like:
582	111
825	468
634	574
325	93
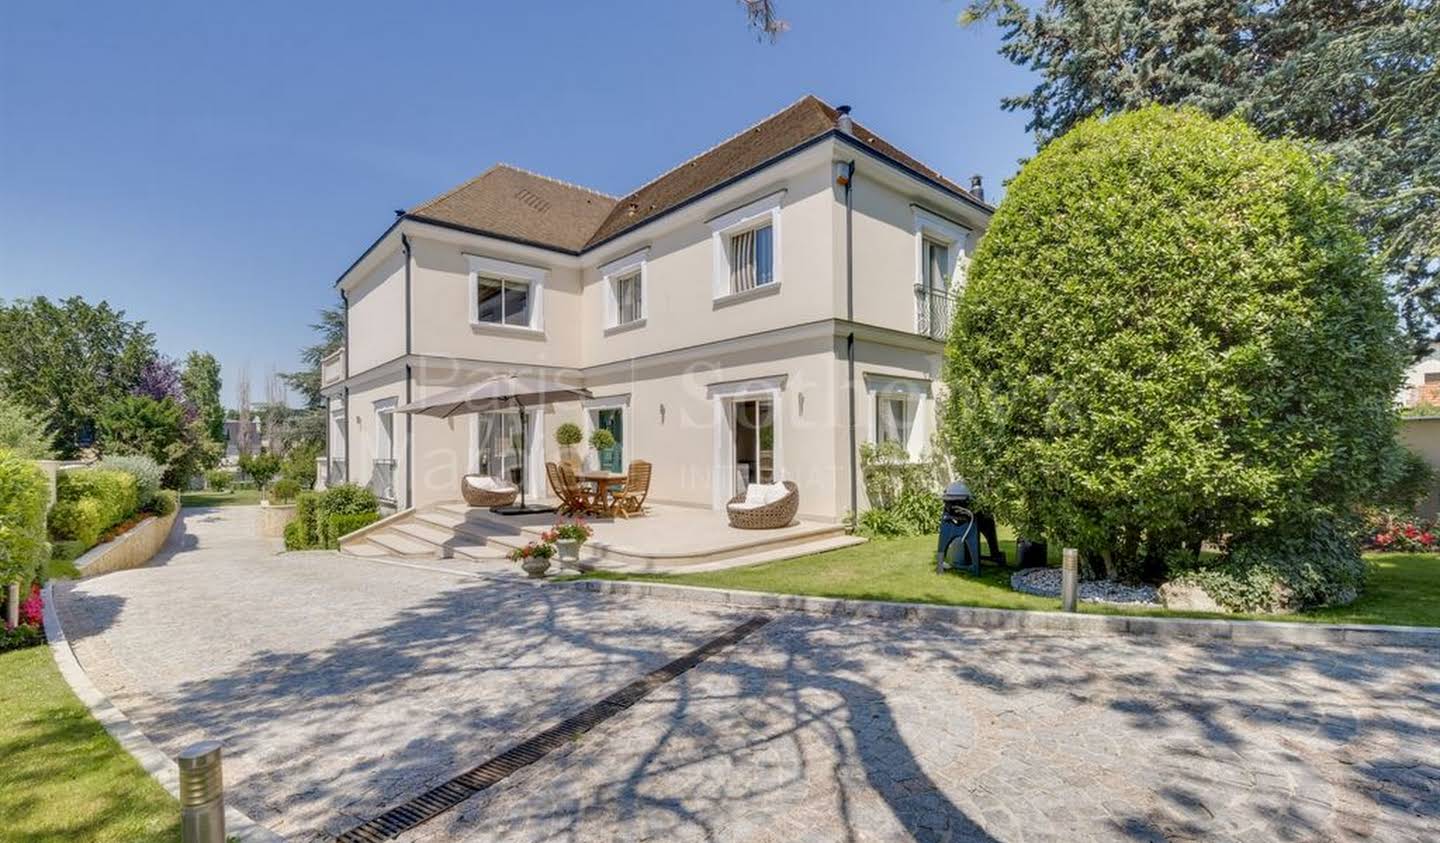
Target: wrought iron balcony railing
933	311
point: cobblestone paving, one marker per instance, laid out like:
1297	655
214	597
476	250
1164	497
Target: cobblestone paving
341	687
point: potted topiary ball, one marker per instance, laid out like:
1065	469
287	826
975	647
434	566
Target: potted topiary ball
568	435
601	440
567	536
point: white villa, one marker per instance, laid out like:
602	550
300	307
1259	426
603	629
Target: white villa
752	315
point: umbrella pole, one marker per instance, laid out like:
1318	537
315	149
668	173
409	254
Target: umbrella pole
524	425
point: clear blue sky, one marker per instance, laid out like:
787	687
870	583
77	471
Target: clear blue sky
211	169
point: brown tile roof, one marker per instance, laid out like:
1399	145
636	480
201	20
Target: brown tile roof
521	205
514	203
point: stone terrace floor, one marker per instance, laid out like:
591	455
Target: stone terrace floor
342	687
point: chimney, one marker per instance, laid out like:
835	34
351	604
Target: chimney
976	188
843	122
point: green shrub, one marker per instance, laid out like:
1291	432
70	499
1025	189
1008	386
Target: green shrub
166	502
296	535
602	439
24	493
903	493
284	490
1171	332
1414	482
24	635
260	467
114	495
24	432
299	465
340	524
77	520
306	534
218	481
145	470
1284	570
569	433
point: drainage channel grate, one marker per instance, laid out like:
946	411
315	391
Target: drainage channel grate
438	800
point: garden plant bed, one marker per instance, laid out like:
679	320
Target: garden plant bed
1045	582
1403	589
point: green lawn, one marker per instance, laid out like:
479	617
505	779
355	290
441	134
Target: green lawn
237	497
1402	589
63	778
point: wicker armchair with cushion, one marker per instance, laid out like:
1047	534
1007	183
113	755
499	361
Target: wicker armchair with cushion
479	490
631	499
764	506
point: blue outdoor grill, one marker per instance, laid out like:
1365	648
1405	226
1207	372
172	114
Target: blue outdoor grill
960	531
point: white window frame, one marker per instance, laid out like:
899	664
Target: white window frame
622	268
755	215
495	268
953	236
385	407
918	395
534	446
722	399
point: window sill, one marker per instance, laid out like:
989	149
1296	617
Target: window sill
754	293
500	329
628	326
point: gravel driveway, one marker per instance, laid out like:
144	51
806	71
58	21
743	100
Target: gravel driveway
342	687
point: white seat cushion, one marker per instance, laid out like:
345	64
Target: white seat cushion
775	492
489	484
761	494
744	505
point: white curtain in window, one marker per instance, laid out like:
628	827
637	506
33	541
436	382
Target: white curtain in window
742	262
627	299
892	422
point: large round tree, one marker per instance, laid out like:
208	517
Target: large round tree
1171	333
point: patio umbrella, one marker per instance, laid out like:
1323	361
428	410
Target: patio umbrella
493	394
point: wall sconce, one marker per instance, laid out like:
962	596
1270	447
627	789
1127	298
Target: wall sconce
662	413
801	396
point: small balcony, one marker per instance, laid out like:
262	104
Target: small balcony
933	311
382	480
332	367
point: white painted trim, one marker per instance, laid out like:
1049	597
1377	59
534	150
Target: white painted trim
591	417
385	407
757	214
620	268
918	395
508	271
723	397
937	228
602	402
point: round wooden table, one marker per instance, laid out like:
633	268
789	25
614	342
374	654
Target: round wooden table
605	482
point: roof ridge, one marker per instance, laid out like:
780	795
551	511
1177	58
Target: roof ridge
716	146
876	136
561	182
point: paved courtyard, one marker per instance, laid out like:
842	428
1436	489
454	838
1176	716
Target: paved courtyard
343	687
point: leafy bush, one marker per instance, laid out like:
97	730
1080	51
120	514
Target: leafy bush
299	465
569	433
138	424
98	498
21	636
166	502
306	534
146	471
297	535
284	490
342	523
1169	333
903	494
24	432
77	520
1284	570
24	493
218	481
1414	481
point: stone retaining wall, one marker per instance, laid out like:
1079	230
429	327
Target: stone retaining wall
134	548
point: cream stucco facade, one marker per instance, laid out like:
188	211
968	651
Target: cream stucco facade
687	379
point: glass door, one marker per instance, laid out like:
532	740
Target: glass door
754	442
499	445
613	420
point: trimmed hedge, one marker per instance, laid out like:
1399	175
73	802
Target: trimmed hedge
90	501
147	474
321	518
342	524
24	493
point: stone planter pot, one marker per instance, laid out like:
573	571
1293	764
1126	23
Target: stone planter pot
568	552
536	566
274	517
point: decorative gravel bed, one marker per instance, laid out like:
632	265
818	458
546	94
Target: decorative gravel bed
1045	582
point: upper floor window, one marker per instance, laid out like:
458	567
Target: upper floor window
505	295
935	257
752	258
747	247
502	302
624	283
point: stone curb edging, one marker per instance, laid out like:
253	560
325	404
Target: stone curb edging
1244	632
237	825
131	549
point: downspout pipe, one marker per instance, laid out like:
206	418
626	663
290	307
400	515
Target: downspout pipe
409	417
850	337
345	395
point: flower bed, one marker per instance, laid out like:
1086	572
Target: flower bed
1401	534
30	631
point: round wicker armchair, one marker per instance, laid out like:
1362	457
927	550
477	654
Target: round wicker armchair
479	490
770	516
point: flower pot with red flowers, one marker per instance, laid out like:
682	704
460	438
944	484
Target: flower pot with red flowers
567	536
534	558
